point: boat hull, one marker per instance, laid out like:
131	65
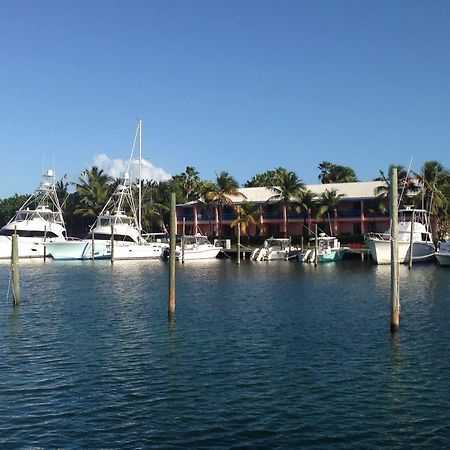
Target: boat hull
210	253
332	256
443	258
71	250
102	250
28	248
381	251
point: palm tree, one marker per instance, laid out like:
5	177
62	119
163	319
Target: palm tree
433	178
406	187
154	206
248	214
307	202
288	189
328	203
334	173
266	179
220	193
94	190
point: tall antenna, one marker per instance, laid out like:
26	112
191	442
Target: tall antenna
140	179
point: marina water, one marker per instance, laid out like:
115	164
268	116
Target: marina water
262	355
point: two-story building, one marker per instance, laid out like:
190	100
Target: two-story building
356	214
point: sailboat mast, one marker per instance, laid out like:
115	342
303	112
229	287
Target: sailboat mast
140	179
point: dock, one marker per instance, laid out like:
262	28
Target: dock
353	253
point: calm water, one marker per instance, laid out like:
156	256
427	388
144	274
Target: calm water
265	355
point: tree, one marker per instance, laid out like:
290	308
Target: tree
248	214
94	190
288	188
328	203
307	202
221	191
155	206
266	179
433	178
187	185
406	187
9	206
334	173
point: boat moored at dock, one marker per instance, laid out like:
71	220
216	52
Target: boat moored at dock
37	222
273	249
415	221
328	250
443	253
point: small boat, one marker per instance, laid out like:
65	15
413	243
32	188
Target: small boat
194	247
423	247
328	250
114	226
273	249
37	222
443	253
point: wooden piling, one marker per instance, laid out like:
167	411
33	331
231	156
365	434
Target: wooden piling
183	241
411	238
173	237
45	240
239	244
15	268
93	245
316	249
395	285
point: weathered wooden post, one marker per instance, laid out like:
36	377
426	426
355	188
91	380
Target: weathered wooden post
173	237
411	239
301	244
183	240
316	249
238	243
112	244
93	244
395	285
45	240
15	268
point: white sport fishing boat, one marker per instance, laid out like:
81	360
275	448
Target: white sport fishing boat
273	249
37	222
328	250
194	247
423	247
443	253
114	224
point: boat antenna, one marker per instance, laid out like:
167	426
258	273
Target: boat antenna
404	183
140	180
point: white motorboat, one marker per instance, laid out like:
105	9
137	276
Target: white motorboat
443	253
38	221
328	250
194	247
410	219
114	226
273	249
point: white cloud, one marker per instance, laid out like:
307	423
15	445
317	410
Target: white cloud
117	167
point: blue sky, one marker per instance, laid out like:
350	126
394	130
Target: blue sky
238	85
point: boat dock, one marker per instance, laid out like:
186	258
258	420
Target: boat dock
353	253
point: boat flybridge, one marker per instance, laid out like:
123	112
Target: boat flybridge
410	220
38	221
118	223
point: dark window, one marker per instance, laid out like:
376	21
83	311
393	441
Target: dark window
107	237
357	228
29	233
